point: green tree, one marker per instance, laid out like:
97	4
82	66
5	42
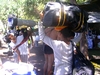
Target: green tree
10	6
25	9
32	8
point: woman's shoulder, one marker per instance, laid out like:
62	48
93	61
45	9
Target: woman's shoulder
21	36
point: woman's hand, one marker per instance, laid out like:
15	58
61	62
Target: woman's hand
41	16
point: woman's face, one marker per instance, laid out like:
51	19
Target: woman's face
12	37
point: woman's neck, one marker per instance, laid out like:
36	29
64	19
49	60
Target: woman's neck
67	41
14	41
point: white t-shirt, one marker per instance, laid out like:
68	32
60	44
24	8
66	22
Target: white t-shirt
62	53
22	48
37	38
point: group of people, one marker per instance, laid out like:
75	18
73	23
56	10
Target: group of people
20	45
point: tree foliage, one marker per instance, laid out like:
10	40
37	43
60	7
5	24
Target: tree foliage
10	7
32	8
25	9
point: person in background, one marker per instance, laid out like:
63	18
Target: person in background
29	46
30	40
21	51
62	49
48	52
12	44
10	23
37	40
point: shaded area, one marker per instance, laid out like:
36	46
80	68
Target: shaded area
95	59
93	5
95	55
37	59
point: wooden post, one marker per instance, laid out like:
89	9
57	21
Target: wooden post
83	46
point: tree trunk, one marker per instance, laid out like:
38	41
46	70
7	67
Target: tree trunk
83	46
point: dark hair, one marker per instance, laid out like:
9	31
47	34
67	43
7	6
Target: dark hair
66	32
6	38
24	31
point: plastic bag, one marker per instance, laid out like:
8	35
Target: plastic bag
10	68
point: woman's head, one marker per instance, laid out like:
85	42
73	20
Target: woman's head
11	36
66	33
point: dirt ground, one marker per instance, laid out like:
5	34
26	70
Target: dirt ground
37	59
